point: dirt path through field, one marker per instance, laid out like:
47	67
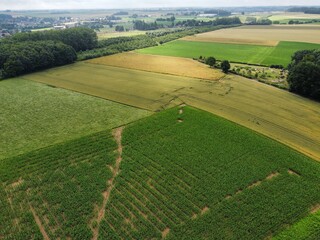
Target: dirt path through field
38	222
117	134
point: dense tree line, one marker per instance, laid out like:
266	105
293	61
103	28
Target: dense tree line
80	39
24	57
307	10
118	45
28	52
255	21
219	12
304	73
143	26
216	22
170	19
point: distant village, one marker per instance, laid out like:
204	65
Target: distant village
11	24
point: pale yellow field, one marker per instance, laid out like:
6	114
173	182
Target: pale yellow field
276	113
160	64
106	35
262	35
293	15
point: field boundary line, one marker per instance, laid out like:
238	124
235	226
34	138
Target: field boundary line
117	134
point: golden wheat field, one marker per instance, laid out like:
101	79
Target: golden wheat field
273	112
160	64
261	35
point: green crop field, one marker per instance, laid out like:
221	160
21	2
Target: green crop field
34	115
179	174
54	191
307	228
253	54
187	174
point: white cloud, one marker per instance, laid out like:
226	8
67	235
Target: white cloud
80	4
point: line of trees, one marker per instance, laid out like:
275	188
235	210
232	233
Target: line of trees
25	57
144	26
80	39
27	52
307	10
216	22
304	73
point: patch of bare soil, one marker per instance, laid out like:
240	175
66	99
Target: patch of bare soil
16	183
291	172
38	222
204	210
180	120
255	184
272	175
165	233
117	134
315	208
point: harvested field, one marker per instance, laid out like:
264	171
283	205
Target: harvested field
265	109
261	35
293	15
160	64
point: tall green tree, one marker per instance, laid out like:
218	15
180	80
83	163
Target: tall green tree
225	66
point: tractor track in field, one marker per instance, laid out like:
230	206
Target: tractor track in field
117	134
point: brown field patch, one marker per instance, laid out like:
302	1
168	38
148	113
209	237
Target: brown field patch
292	172
160	64
261	35
199	38
165	233
315	208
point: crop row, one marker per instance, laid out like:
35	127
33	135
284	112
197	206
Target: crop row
177	176
62	184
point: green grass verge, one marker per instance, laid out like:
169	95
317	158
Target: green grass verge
307	228
34	115
252	54
197	176
283	52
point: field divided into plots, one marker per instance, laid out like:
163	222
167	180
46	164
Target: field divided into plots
182	173
260	107
187	174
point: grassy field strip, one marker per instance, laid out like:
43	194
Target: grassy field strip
293	15
306	228
34	115
273	112
160	64
262	35
253	54
221	51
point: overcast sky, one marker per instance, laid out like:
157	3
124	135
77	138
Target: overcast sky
81	4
